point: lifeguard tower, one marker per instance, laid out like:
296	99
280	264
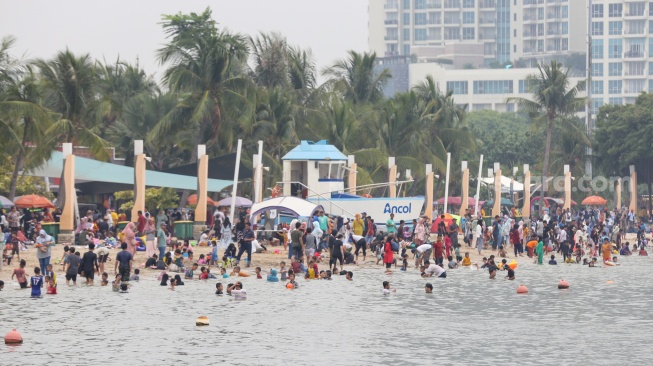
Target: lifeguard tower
312	169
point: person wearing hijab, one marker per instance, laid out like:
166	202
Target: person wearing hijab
225	234
272	277
161	218
81	226
130	238
43	249
150	236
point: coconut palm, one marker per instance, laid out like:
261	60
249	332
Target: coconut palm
356	78
70	88
270	58
553	97
205	70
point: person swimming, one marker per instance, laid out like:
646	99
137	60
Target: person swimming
272	276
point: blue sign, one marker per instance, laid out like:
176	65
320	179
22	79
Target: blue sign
397	209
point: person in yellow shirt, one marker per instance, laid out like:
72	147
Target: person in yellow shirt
358	225
114	217
606	249
467	261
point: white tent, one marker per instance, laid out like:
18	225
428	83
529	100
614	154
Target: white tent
292	205
505	184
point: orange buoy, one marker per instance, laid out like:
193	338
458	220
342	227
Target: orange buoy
563	285
13	337
202	320
513	264
522	289
289	286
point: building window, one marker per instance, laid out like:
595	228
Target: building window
650	86
457	87
406	34
597	49
596	105
420	34
565	44
615	68
615	10
525	86
468	17
420	18
493	87
540	13
420	4
406	19
616	101
406	50
615	28
468	3
406	4
615	48
565	28
468	33
597	87
565	12
650	68
597	28
615	86
597	69
597	10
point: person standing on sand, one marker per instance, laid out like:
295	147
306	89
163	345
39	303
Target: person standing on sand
142	221
388	256
390	224
150	237
130	237
358	225
161	240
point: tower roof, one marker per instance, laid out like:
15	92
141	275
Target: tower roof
309	150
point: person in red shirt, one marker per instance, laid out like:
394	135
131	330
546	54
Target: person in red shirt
141	223
204	275
438	252
388	256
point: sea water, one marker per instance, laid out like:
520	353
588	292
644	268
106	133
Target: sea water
467	320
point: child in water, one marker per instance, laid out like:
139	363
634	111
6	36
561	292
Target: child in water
511	273
123	288
36	282
404	263
291	280
105	279
272	276
218	288
51	286
386	288
283	271
428	288
223	273
467	261
349	276
257	270
135	276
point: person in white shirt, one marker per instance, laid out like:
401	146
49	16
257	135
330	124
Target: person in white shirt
237	290
433	270
423	253
562	236
477	239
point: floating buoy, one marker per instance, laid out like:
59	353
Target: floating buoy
513	264
202	320
289	286
522	289
13	337
610	282
563	285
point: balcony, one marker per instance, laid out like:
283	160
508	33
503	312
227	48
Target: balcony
452	22
633	54
391	38
487	4
633	14
434	4
391	21
634	73
391	6
634	32
530	18
436	21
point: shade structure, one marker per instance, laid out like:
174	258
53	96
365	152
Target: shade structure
5	202
33	201
192	200
240	202
287	204
594	201
504	202
457	201
559	201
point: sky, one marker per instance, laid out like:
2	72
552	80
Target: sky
130	28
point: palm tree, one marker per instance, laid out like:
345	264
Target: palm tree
205	70
552	98
70	88
270	58
356	78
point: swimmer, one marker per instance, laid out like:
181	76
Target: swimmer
467	261
218	288
614	262
223	273
238	291
553	260
291	280
349	276
238	273
511	273
592	263
328	275
257	270
386	288
123	288
428	288
105	279
404	265
229	286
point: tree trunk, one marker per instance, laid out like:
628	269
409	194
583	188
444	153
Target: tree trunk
545	165
18	162
648	203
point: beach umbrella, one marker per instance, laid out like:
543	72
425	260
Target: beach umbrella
240	202
33	201
594	201
448	219
192	200
5	202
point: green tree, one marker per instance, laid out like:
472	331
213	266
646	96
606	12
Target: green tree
356	79
553	97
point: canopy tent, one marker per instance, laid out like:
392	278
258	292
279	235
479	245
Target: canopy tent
221	167
456	201
505	184
288	204
240	202
104	177
504	202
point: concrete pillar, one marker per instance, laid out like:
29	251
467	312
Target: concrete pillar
633	189
139	180
351	162
286	177
429	192
618	191
496	209
392	176
567	203
67	196
202	177
465	189
526	209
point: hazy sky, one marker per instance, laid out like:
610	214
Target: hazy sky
130	28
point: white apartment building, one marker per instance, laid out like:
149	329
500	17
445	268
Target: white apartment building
478	88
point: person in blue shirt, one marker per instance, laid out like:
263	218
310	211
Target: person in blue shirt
36	282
